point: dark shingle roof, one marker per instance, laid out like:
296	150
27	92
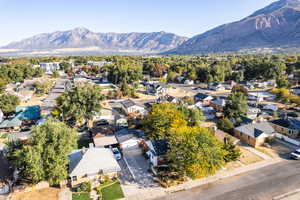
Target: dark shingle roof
255	130
201	96
160	147
290	123
127	103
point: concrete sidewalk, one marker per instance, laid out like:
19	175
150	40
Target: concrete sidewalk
293	195
138	193
258	153
222	174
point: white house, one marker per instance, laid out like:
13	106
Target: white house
261	96
271	107
216	87
130	107
189	82
253	112
91	164
98	63
157	151
105	114
50	67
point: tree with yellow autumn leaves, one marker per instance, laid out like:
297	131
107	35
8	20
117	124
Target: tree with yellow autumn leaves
193	151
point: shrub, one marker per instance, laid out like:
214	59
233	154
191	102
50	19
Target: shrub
85	187
232	152
225	125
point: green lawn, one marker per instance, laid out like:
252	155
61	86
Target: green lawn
81	196
112	192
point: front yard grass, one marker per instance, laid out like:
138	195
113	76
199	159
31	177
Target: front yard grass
81	196
111	192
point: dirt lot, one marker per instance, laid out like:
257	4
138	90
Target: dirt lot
44	194
248	157
35	100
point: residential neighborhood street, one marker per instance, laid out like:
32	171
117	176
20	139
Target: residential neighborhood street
57	90
262	184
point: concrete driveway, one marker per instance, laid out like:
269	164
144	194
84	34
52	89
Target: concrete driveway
138	167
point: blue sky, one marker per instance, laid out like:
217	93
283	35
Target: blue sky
25	18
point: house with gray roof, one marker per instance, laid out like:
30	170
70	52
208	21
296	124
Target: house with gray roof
288	126
129	139
131	107
86	165
254	134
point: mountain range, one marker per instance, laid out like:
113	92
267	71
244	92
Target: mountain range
81	40
275	28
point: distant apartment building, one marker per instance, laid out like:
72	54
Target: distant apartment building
98	63
50	67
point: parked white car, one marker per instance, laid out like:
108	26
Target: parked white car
116	153
295	154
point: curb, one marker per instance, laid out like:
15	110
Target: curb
286	195
217	177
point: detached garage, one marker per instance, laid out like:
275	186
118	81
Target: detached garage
129	139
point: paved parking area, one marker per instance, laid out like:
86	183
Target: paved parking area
136	182
138	167
125	175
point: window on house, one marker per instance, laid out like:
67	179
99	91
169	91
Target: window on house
74	178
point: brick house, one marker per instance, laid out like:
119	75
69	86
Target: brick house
287	126
254	134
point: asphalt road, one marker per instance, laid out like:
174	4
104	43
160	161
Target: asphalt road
56	91
262	184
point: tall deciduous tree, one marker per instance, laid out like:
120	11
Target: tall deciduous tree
2	85
225	124
194	117
161	119
194	151
8	103
45	155
79	104
236	106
